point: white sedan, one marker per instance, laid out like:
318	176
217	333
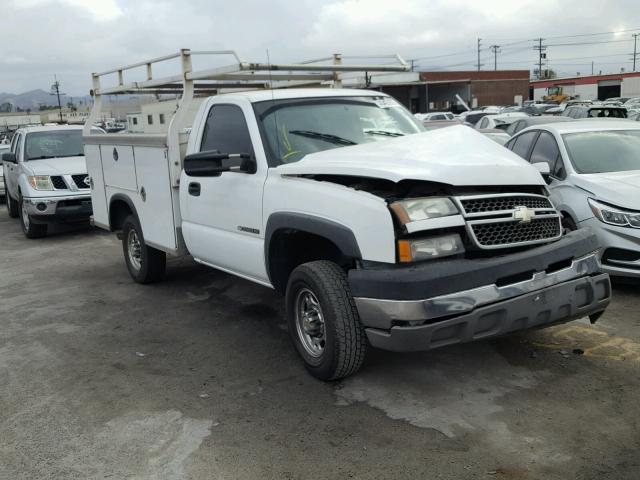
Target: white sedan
501	121
594	180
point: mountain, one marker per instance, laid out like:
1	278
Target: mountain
34	98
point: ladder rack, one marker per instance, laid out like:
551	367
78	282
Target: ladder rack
187	84
241	74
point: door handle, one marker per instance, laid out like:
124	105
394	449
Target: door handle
194	189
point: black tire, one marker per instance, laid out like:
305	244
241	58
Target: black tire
152	262
12	206
344	344
30	229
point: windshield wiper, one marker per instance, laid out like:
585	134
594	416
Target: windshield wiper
384	132
327	137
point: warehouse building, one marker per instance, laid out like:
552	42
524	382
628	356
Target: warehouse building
433	91
592	87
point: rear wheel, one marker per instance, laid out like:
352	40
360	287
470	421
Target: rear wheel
323	321
145	264
12	206
30	229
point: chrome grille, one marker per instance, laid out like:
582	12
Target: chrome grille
499	204
511	233
509	220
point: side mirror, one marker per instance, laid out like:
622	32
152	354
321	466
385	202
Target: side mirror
211	163
544	170
9	157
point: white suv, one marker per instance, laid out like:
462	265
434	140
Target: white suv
46	178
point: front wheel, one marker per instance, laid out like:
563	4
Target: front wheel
12	206
145	264
30	229
323	321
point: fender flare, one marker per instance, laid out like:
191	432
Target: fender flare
337	233
124	198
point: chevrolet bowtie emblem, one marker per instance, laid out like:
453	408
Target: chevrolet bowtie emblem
523	214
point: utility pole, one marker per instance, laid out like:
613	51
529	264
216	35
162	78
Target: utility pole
55	90
479	64
635	54
541	55
591	67
494	49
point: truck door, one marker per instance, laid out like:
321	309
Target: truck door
222	215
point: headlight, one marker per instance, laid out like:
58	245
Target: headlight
416	209
613	215
41	182
426	248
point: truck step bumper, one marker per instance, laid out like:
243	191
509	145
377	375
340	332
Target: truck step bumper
559	303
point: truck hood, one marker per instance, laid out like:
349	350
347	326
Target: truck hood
455	155
56	166
617	188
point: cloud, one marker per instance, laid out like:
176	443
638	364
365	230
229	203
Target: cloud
99	10
72	38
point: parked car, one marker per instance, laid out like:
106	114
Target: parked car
632	103
495	134
435	116
522	123
594	182
529	110
46	178
377	233
500	121
620	100
4	148
472	117
595	111
434	120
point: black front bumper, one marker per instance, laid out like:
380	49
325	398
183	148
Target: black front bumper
557	304
431	279
433	304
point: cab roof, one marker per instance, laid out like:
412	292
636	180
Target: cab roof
49	128
282	94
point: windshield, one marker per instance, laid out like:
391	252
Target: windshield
608	151
297	127
54	143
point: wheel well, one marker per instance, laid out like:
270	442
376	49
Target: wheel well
118	211
289	248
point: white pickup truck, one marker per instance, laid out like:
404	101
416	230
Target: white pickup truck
377	233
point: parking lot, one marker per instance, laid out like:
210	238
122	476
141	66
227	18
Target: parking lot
195	378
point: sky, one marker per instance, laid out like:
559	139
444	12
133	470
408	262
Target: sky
72	38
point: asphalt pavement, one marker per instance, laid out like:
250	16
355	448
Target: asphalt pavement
195	378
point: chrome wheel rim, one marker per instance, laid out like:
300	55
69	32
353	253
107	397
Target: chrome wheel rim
134	250
310	323
25	217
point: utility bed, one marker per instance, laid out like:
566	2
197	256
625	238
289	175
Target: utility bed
143	170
